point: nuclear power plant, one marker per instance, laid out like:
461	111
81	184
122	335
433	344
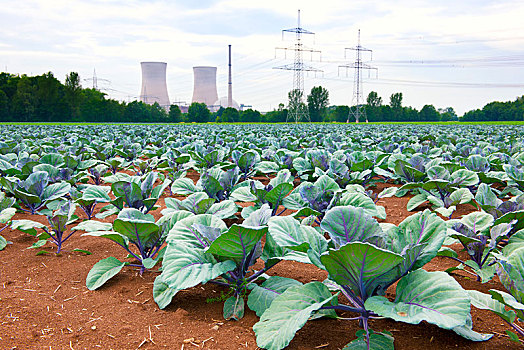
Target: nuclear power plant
154	86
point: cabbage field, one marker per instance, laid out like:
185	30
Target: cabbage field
299	236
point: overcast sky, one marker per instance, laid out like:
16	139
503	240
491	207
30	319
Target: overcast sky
462	54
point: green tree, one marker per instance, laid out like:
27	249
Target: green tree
92	107
9	83
24	99
428	113
386	113
96	108
229	115
113	110
157	113
339	114
317	102
373	107
395	102
410	114
216	116
4	107
175	114
296	106
447	114
50	104
250	116
73	93
374	100
497	111
198	113
476	115
276	116
137	112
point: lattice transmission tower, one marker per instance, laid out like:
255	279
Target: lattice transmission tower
95	80
358	109
297	109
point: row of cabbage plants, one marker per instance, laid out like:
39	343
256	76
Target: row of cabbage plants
322	176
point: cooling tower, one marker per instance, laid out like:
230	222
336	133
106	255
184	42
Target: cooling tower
205	85
154	87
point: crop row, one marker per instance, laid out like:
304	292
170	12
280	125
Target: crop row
322	177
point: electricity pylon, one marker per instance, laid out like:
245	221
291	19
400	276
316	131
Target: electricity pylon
358	109
297	109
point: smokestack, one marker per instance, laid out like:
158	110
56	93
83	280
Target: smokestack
230	84
205	85
154	87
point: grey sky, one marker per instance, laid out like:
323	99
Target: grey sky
462	54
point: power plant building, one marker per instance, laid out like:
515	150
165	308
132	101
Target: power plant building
205	85
225	102
154	86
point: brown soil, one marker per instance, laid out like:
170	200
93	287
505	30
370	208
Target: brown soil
44	304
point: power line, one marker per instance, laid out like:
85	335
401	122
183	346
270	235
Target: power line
435	83
453	84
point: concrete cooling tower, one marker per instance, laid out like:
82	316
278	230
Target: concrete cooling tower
205	85
154	87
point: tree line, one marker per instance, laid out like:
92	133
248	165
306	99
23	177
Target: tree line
497	111
43	98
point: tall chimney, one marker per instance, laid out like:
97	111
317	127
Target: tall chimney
230	84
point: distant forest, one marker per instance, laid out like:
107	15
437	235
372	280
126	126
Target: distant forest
43	98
